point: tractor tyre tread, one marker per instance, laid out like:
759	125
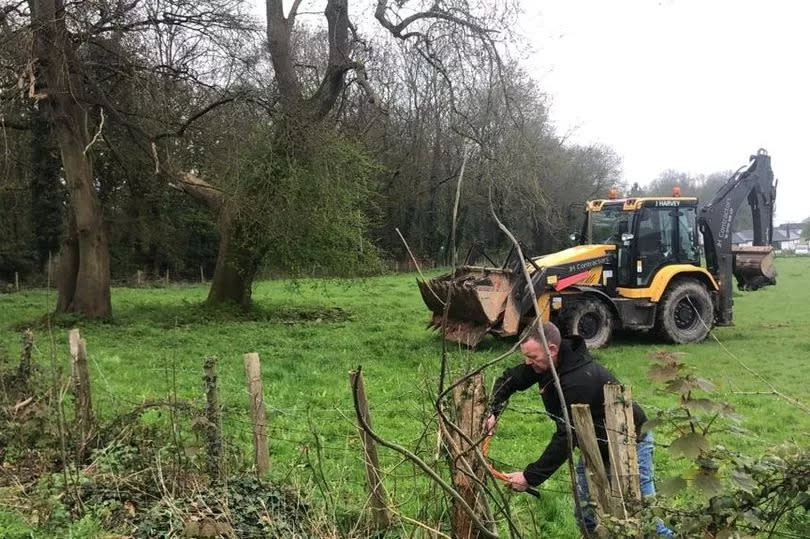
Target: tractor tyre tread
701	301
571	316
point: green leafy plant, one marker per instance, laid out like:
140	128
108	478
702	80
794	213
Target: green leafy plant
742	494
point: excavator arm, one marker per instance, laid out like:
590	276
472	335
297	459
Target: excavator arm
754	183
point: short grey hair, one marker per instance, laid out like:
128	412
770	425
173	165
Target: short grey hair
550	330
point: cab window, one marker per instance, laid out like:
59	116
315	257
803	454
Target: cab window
687	238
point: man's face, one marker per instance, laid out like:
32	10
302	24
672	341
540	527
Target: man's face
535	357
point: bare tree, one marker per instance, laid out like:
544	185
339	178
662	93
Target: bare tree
81	54
309	94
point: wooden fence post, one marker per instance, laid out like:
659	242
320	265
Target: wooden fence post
379	508
470	401
24	368
213	432
16	281
621	430
598	485
202	274
253	372
81	389
139	277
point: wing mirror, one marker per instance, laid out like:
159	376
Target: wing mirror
626	238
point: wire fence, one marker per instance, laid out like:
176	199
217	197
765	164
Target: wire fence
337	423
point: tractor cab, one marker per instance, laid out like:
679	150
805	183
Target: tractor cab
648	233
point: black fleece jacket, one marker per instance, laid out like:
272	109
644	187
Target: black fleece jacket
582	380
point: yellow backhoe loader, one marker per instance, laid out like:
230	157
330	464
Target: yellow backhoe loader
637	266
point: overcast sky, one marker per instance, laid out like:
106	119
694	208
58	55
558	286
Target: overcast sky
692	85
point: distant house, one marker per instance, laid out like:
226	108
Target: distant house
802	248
786	237
742	238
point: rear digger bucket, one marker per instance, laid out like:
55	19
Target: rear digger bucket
480	302
753	267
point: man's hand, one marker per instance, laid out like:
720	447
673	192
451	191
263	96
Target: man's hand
516	481
489	424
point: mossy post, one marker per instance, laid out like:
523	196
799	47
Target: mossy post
379	508
595	474
214	431
470	405
621	434
24	368
253	372
81	391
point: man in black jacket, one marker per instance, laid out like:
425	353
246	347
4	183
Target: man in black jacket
582	380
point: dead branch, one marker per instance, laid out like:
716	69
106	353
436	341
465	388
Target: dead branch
568	433
194	186
419	462
98	133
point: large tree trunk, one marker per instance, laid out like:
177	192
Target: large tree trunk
68	267
91	295
60	70
238	260
236	267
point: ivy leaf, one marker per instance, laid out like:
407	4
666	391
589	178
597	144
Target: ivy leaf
704	384
708	482
668	358
726	410
753	519
689	445
707	463
671	485
701	405
662	373
678	385
743	481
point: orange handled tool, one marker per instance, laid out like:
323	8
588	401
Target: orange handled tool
499	474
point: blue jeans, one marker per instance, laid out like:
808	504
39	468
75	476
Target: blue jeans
644	452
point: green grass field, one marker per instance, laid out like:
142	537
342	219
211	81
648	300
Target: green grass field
310	334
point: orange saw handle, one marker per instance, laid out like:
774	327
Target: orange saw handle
499	474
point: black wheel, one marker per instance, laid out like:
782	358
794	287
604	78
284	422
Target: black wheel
591	319
685	313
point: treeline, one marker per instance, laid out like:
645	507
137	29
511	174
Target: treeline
165	134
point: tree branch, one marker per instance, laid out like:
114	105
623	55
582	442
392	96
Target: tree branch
537	320
196	116
420	463
196	187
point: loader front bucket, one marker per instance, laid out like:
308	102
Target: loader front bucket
753	267
477	301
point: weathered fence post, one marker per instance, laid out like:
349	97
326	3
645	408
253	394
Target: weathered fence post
253	372
620	427
24	368
202	274
379	508
469	399
213	433
598	485
81	389
17	281
139	277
